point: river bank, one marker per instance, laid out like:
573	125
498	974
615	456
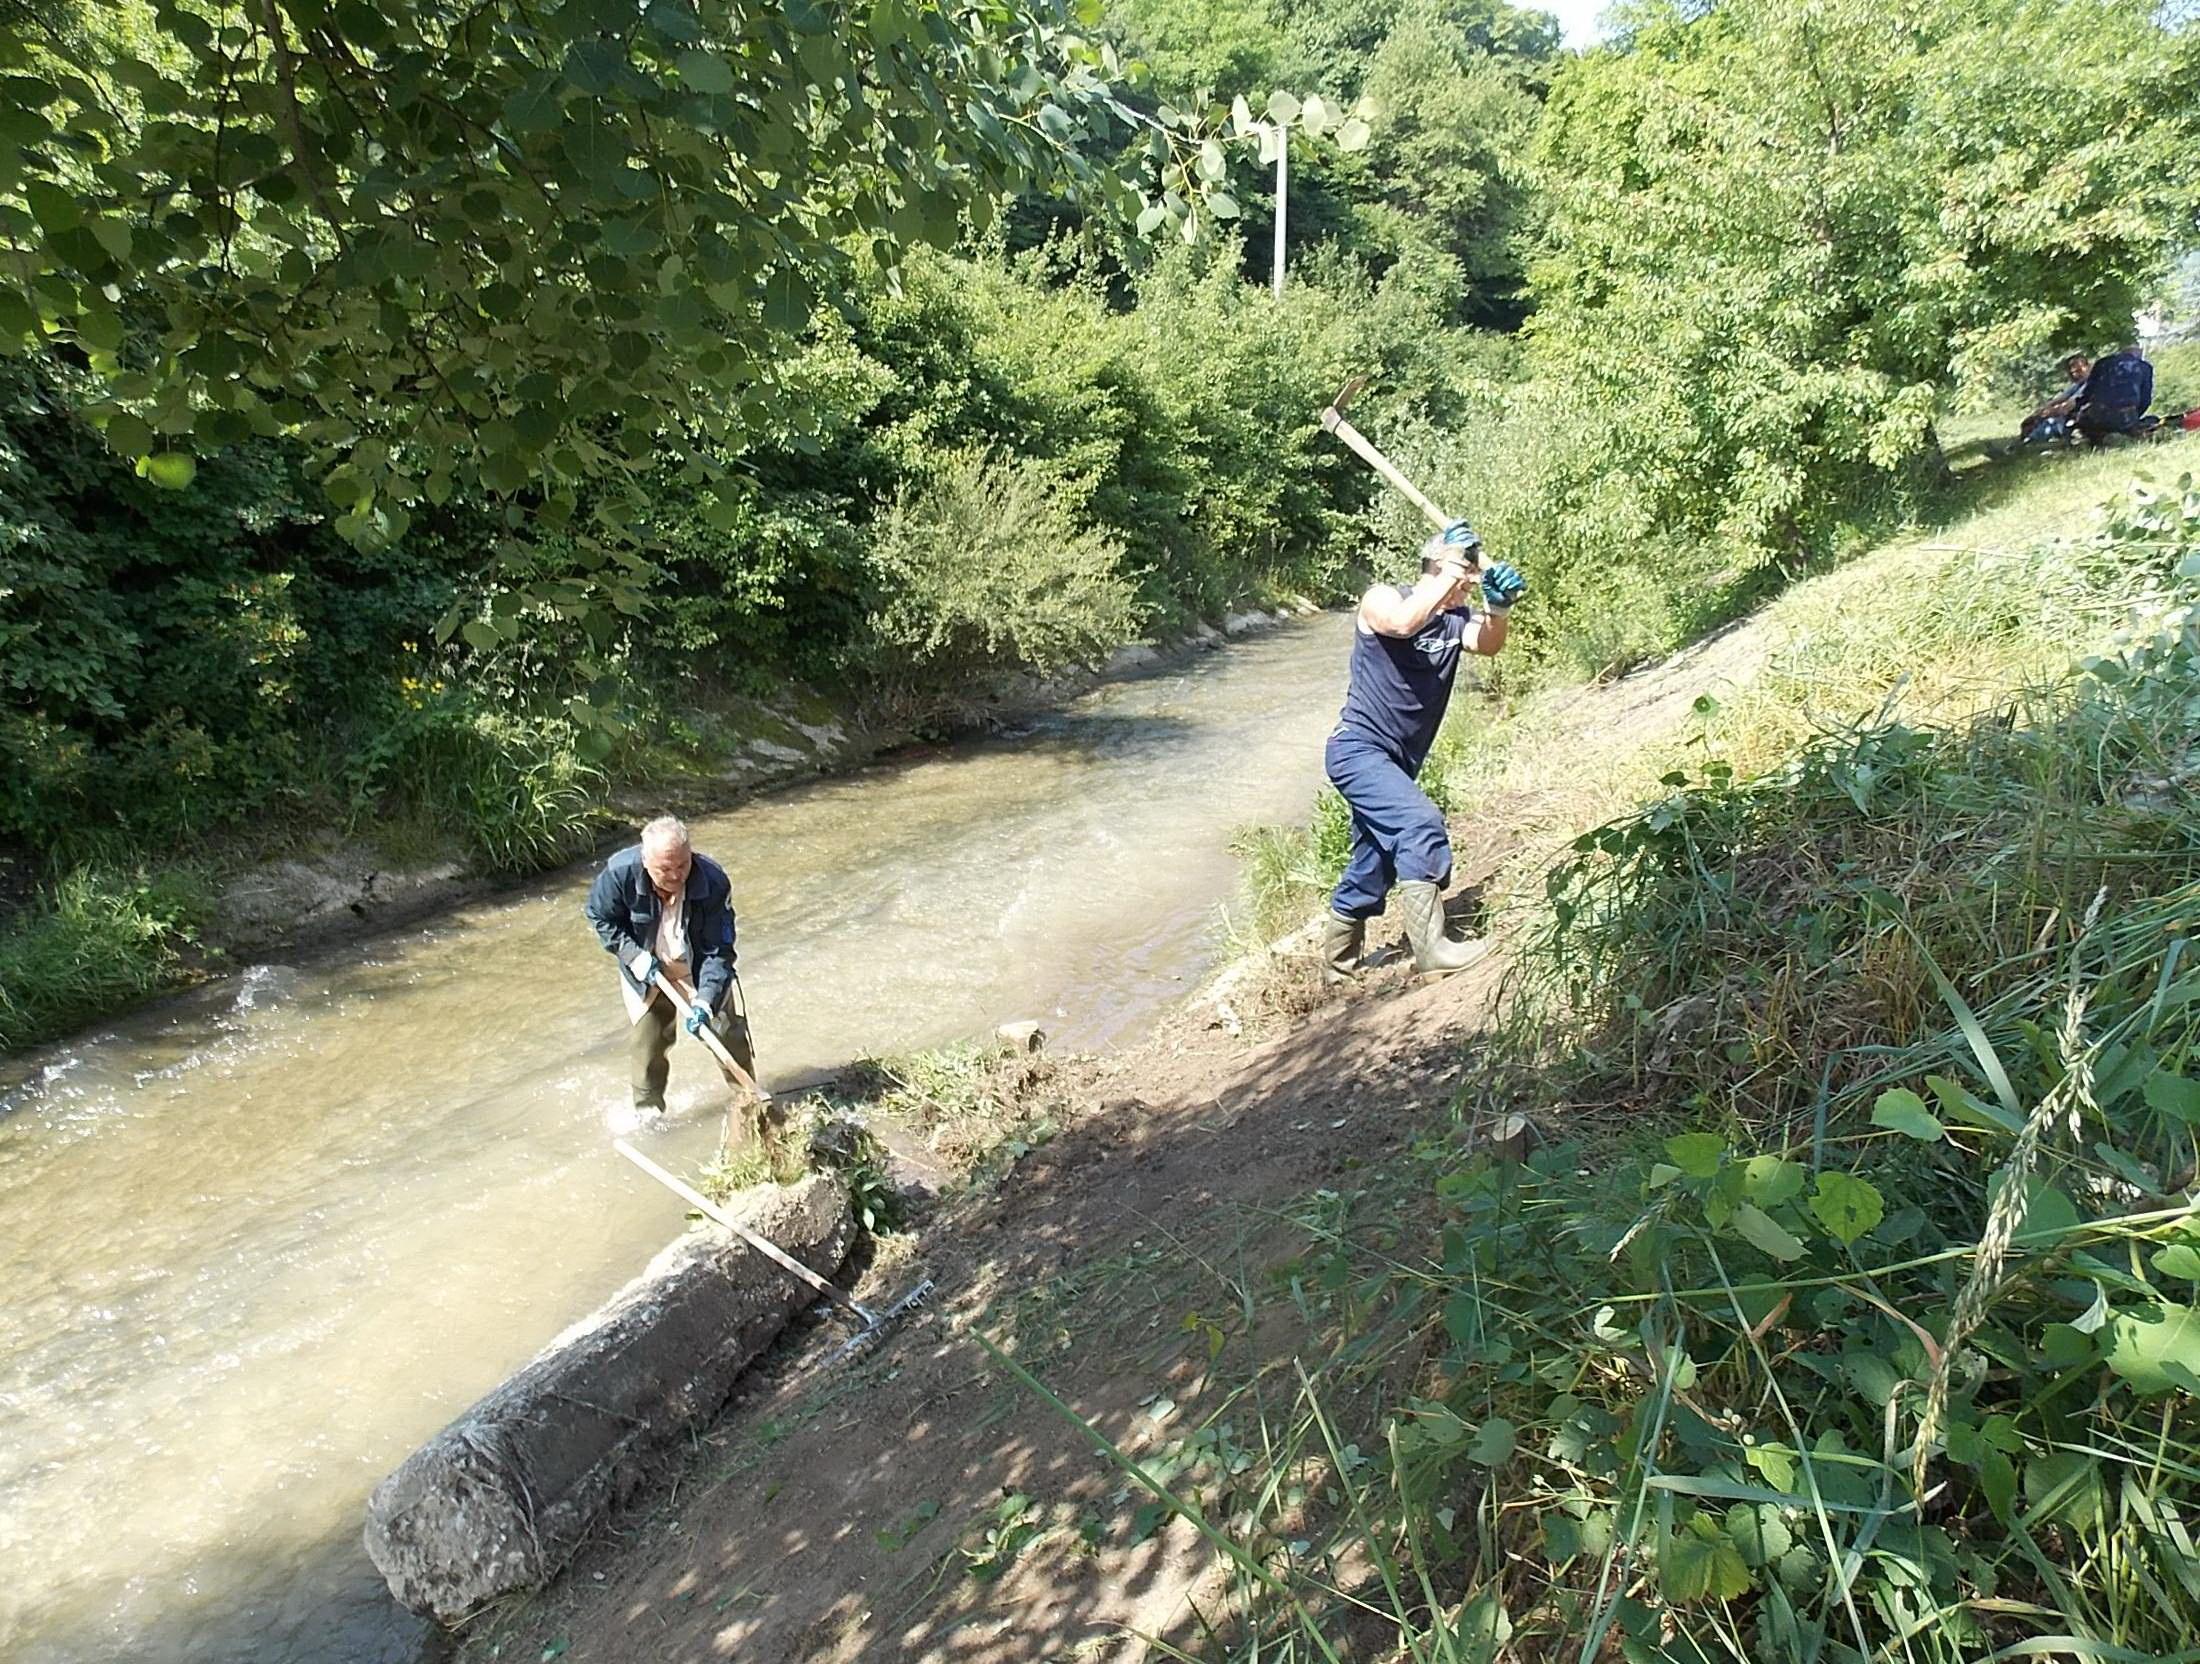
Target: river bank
1215	1353
322	889
296	1219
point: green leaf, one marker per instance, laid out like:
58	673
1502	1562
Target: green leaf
170	470
2156	1350
479	635
1222	205
1762	1231
1960	1105
1770	1180
787	300
706	72
1282	108
2048	1213
1997	1477
1696	1153
534	108
2179	1259
1903	1111
1493	1443
1695	1566
1846	1205
128	435
2174	1096
1760	1533
2064	1488
1353	135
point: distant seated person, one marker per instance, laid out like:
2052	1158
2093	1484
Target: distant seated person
2052	420
2115	396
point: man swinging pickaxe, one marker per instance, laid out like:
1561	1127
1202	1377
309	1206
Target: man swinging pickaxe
1406	647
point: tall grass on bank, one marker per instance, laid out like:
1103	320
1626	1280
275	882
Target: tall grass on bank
511	791
1865	1322
97	940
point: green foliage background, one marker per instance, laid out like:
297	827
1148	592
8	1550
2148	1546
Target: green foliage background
1669	319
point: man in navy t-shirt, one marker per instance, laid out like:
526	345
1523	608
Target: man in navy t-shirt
1406	647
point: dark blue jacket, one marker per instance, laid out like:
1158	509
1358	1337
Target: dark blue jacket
2119	389
623	906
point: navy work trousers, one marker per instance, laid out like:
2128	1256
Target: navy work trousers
1397	833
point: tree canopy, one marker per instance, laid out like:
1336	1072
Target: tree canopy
475	246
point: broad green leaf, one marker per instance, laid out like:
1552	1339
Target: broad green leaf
1847	1206
2179	1259
534	107
1696	1153
1282	108
706	72
2174	1096
1493	1443
1997	1477
170	470
1694	1567
1962	1106
2156	1350
1903	1111
787	300
2048	1213
1762	1231
1760	1532
1222	205
1770	1180
1353	135
2063	1487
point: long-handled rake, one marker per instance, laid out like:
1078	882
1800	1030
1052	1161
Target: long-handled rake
874	1322
736	1077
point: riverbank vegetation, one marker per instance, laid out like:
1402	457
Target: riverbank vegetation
1849	1311
1011	442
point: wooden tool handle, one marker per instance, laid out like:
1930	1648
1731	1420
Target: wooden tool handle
710	1210
683	998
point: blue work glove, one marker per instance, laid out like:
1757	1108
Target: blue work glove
1502	585
698	1015
1462	537
643	968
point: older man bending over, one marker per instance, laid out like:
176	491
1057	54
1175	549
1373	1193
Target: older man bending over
659	906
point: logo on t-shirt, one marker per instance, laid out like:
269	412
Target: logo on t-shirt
1436	645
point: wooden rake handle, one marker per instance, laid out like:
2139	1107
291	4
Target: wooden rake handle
763	1245
683	999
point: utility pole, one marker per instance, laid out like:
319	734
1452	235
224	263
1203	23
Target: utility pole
1283	186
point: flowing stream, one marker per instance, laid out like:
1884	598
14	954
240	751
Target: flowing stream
258	1242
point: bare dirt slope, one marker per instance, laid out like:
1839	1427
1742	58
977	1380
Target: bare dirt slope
922	1505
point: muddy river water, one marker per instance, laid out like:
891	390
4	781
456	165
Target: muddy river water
256	1243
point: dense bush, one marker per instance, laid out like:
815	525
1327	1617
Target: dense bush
985	572
99	938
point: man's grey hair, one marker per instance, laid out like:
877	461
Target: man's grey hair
665	832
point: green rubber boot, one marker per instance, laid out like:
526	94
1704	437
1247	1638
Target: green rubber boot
1434	953
1342	940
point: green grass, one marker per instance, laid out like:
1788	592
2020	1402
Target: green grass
1856	1310
97	940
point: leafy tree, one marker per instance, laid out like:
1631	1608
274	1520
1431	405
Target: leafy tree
1774	235
507	246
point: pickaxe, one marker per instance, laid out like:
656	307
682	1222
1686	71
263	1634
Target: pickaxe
1332	418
